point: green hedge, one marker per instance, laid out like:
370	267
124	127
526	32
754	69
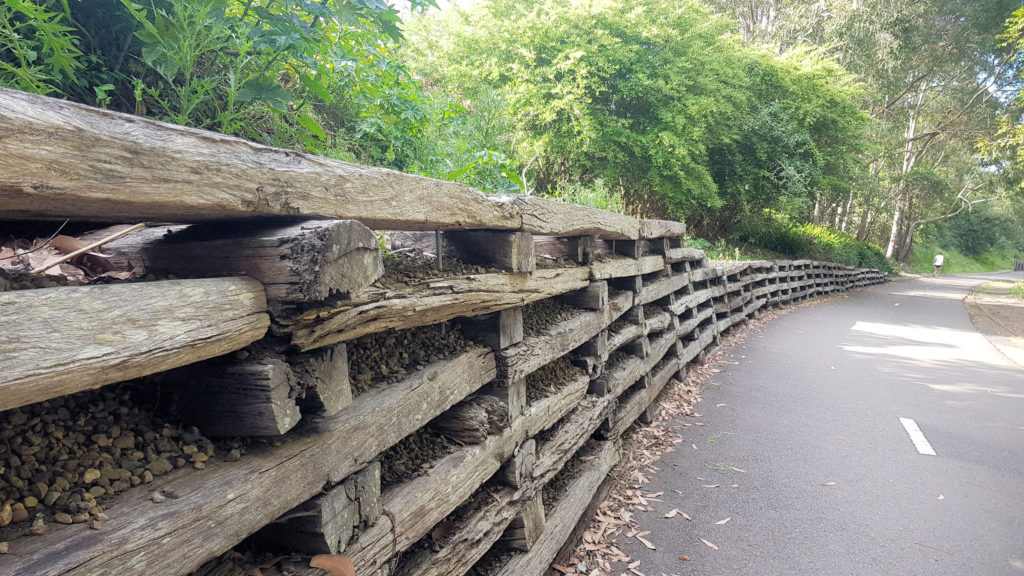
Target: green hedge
813	242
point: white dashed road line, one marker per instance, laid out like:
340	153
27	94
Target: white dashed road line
917	437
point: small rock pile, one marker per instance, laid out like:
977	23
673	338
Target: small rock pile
389	357
557	486
413	456
543	314
408	269
550	379
63	459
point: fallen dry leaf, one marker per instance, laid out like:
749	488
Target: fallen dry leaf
941	497
633	564
684	558
337	565
720	522
737	469
687	516
709	544
563	569
712	485
646	542
672	513
829	484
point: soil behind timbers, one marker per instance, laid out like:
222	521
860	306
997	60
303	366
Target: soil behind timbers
551	378
543	314
405	269
64	459
389	357
413	456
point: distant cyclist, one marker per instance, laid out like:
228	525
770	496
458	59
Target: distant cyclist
939	259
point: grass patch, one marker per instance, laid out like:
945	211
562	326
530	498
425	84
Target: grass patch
956	262
1017	290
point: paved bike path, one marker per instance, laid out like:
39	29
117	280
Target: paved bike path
814	398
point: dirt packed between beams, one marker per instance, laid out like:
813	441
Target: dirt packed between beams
389	357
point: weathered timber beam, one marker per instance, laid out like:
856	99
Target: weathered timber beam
563	518
512	251
432	302
522	533
517	362
518	470
58	341
323	379
619	267
296	262
326	523
476	535
230	397
553	218
62	159
496	331
593	297
662	229
240	497
652	291
415	507
544	413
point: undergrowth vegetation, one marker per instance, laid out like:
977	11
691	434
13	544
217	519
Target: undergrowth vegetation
654	108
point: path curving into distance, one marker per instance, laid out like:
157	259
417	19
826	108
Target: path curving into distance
878	433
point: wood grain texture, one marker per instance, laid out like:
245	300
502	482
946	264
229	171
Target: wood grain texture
518	361
563	518
429	303
553	218
58	341
662	229
300	262
618	267
62	159
143	540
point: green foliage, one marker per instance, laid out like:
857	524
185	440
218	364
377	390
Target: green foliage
775	232
596	195
38	49
956	262
655	96
1017	290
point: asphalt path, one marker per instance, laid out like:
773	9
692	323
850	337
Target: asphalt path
816	474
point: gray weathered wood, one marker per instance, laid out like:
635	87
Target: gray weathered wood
516	362
301	262
593	297
659	289
563	518
662	229
429	303
63	159
228	397
326	523
518	470
628	248
544	413
476	535
674	255
512	251
522	533
554	218
498	330
322	376
141	539
619	267
58	341
473	420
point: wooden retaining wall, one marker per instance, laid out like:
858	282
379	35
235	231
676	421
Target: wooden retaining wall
535	407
